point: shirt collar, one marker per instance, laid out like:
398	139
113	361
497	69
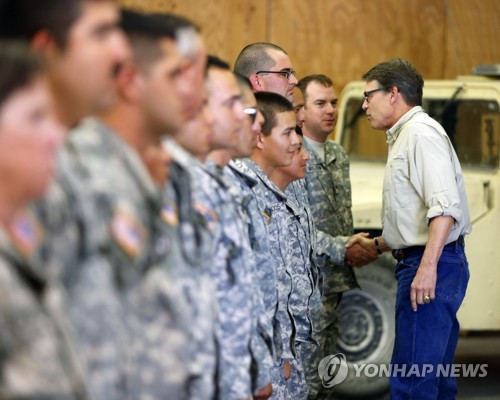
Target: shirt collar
393	133
243	171
264	178
318	146
178	153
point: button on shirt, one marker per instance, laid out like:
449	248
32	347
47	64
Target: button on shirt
423	180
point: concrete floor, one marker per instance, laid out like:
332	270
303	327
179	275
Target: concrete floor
474	349
479	350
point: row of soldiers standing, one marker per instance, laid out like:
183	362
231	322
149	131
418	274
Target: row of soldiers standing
176	254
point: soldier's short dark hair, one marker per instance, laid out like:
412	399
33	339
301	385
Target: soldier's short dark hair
153	25
255	57
214	61
22	19
145	32
179	22
271	104
18	67
399	73
319	78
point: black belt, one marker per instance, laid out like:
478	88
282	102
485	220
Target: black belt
400	254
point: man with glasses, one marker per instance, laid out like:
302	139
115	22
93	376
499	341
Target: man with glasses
425	217
268	68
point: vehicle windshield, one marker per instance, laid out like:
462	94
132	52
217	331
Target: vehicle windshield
473	127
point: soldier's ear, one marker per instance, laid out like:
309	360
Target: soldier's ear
128	81
261	140
43	43
257	83
301	116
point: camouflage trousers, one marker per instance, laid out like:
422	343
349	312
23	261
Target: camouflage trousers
295	388
325	322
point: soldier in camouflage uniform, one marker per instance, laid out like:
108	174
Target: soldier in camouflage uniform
275	147
144	248
137	257
80	67
267	338
196	283
37	356
329	191
304	268
273	202
255	231
194	240
230	265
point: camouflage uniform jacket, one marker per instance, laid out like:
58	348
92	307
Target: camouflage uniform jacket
37	359
69	221
264	272
273	202
304	269
329	188
136	254
232	273
192	250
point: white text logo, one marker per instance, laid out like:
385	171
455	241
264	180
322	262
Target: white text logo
333	370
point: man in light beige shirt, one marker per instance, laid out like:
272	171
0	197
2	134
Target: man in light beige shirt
425	217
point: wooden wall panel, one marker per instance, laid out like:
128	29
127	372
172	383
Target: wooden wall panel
473	35
227	25
344	38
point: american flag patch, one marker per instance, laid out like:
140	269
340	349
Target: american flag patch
128	233
25	233
169	213
210	217
266	216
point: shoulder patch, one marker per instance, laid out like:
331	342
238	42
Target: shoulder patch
210	216
128	232
26	233
169	213
266	216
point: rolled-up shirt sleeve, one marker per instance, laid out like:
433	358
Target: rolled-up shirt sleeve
433	173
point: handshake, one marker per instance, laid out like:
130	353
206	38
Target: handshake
361	250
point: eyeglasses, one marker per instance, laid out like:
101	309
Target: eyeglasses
287	72
251	112
370	92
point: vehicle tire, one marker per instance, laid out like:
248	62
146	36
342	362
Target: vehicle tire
366	327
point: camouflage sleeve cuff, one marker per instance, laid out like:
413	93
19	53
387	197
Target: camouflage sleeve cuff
263	361
286	358
330	249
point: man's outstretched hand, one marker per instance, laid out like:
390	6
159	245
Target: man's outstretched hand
360	250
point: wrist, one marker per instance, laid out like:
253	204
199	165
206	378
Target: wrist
377	245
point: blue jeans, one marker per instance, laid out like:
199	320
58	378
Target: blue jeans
430	335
